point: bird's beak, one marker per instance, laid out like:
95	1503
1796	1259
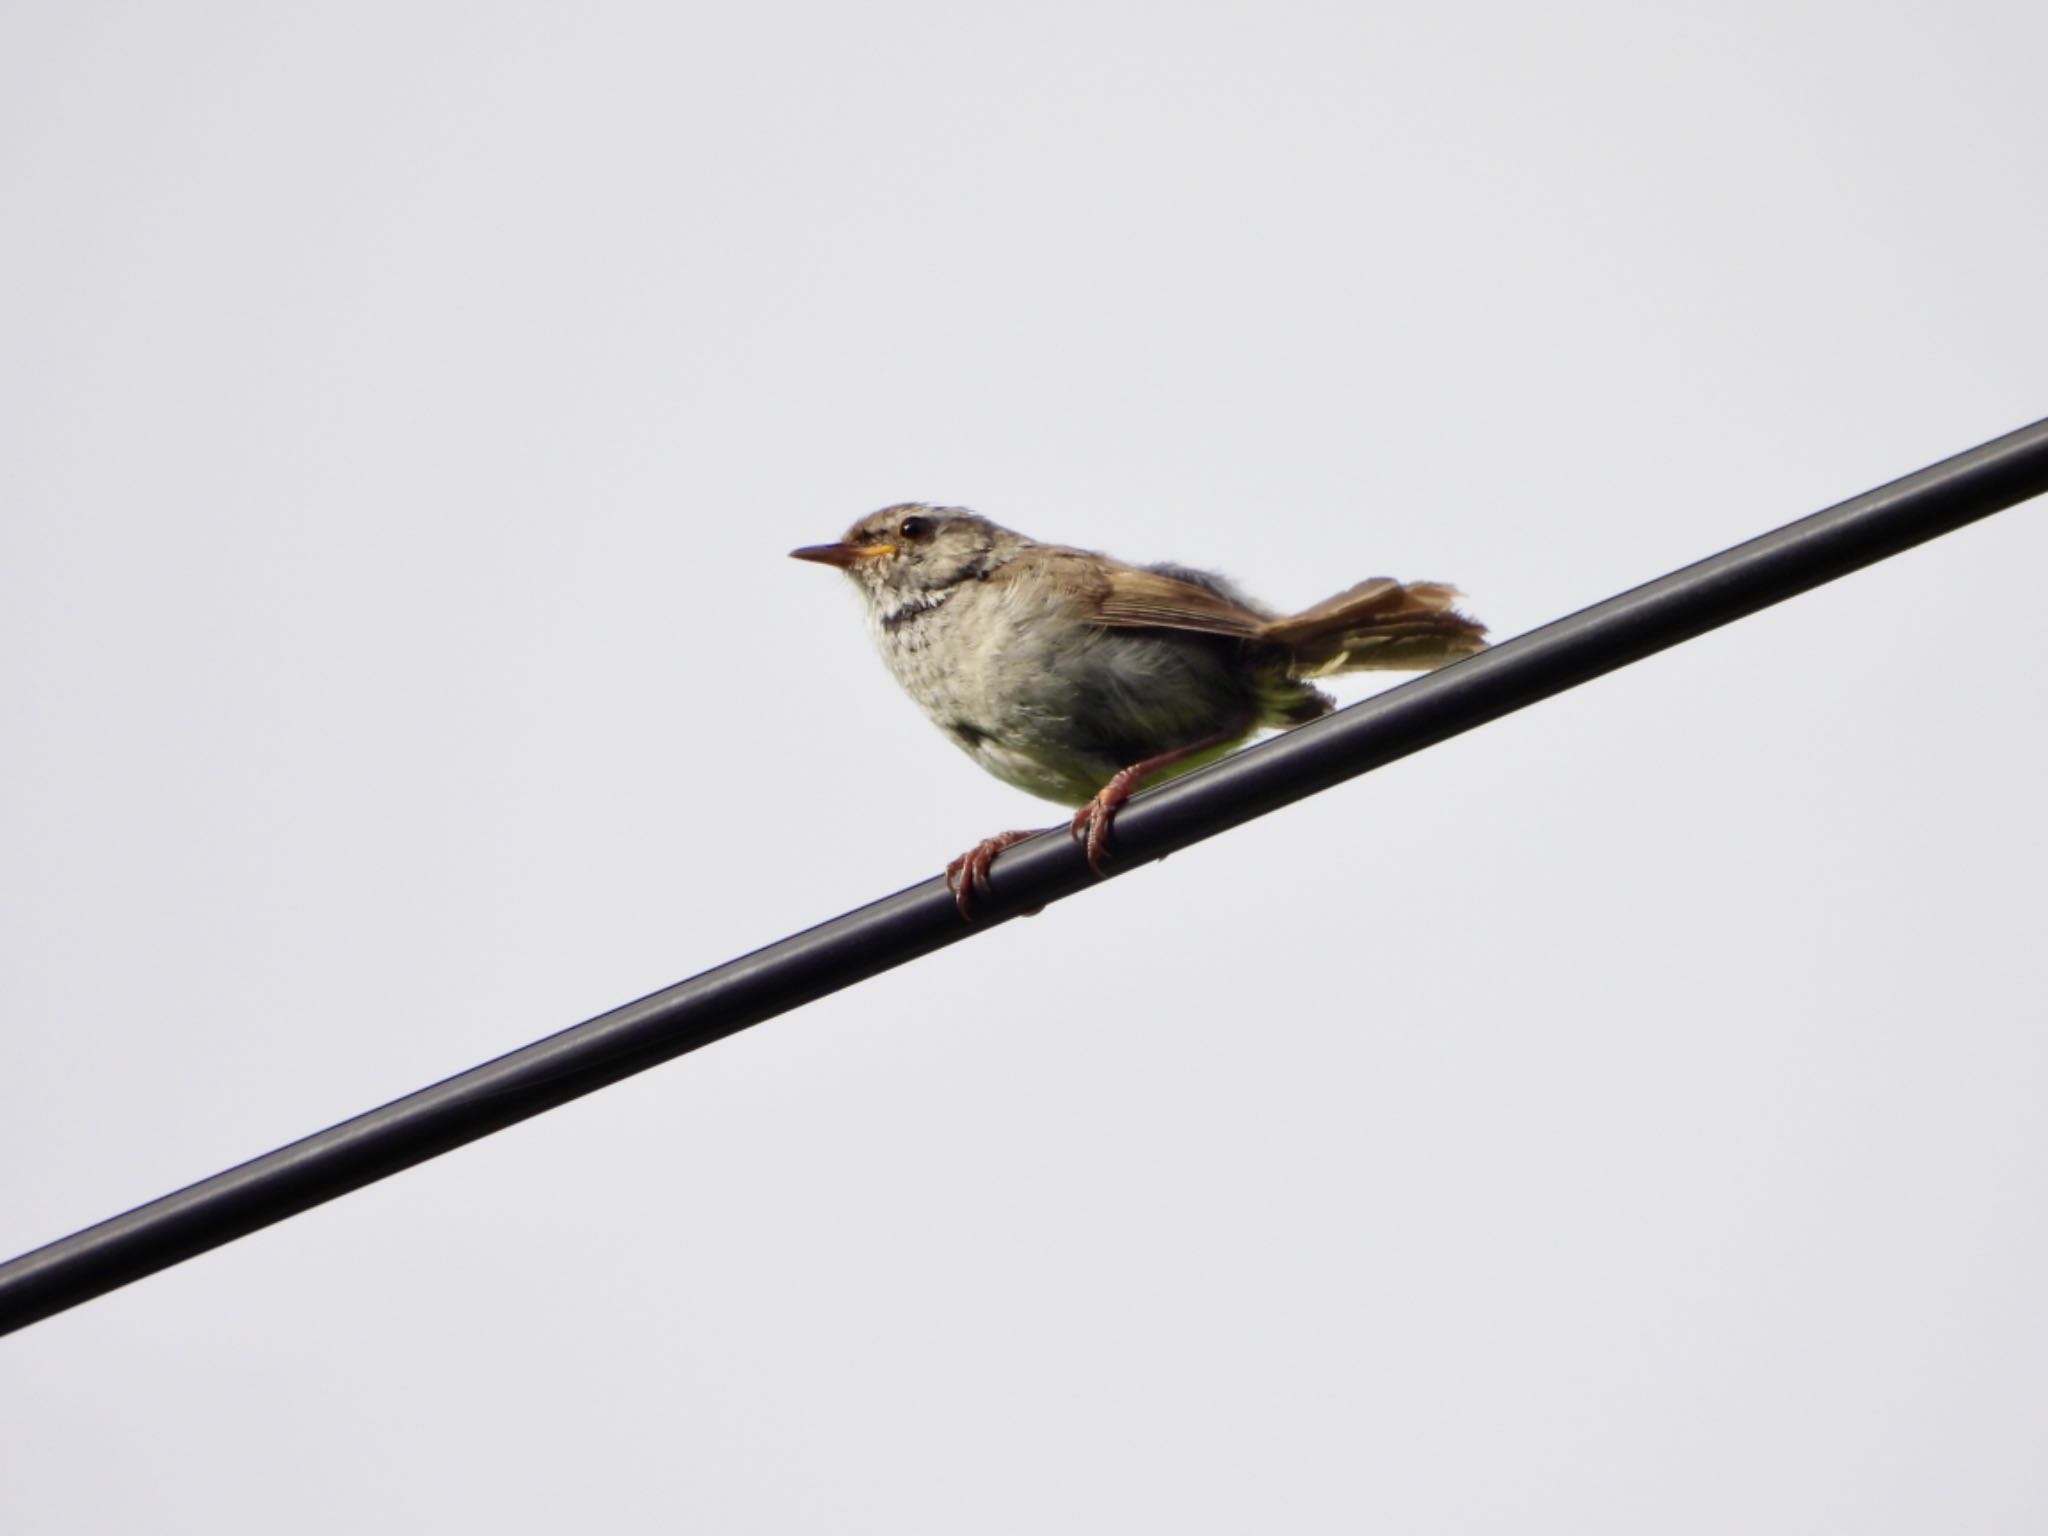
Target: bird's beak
842	555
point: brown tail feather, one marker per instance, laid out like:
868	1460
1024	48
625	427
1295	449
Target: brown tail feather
1378	626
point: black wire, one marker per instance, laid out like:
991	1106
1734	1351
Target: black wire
851	948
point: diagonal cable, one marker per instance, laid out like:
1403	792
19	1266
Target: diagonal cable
914	922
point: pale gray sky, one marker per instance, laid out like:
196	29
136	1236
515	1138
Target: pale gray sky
1625	1117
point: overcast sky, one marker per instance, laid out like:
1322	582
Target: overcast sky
1625	1117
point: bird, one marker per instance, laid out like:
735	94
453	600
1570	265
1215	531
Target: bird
1077	677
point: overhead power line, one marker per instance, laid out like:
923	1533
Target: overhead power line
875	938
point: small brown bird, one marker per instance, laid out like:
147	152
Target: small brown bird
1078	677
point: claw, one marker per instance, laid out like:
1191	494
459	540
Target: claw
969	873
1090	826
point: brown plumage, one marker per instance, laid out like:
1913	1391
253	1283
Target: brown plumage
1077	676
1379	625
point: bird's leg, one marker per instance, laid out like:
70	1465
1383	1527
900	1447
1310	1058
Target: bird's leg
1090	826
969	872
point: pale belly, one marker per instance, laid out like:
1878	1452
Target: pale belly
1057	721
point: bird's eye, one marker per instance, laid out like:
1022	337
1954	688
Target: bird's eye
914	528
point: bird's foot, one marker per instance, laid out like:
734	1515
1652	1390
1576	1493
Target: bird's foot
1090	827
969	873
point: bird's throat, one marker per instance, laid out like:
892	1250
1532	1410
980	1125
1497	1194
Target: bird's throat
910	610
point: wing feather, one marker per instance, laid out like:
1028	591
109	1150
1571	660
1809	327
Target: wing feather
1127	597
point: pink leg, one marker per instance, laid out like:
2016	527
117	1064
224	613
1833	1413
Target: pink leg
969	872
1090	826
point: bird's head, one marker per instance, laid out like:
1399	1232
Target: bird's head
911	553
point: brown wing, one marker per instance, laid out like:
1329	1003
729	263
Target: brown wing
1125	597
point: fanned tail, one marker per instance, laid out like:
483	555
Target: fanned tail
1379	625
